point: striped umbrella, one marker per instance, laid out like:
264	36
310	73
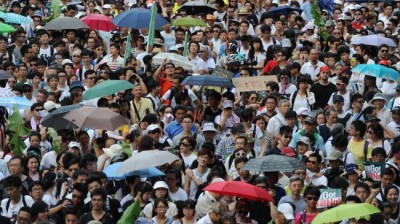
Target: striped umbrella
17	19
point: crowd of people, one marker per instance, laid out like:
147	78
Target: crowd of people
334	120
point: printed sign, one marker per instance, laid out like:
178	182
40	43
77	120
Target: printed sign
329	197
374	170
221	72
247	84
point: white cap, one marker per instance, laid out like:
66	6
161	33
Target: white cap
66	61
98	8
303	111
209	127
114	150
227	104
50	105
160	184
152	127
75	144
287	210
106	6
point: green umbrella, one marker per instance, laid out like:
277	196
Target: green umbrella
5	28
106	88
189	22
346	211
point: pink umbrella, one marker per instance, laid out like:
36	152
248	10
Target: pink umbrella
99	22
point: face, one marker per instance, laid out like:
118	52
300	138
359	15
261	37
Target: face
15	166
94	185
240	143
284	108
24	217
203	160
392	196
362	194
71	219
295	187
386	180
261	124
313	164
311	200
302	148
161	208
33	164
97	202
77	198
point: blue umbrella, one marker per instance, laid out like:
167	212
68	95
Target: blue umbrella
282	10
21	102
55	118
138	18
208	80
378	71
111	172
17	19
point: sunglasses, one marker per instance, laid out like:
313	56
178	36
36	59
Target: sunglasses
184	144
37	110
240	154
312	198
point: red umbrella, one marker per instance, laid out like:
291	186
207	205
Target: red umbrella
239	189
99	22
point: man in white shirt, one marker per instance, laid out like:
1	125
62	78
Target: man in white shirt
215	214
313	66
277	121
394	125
314	167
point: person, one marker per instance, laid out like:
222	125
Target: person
284	213
40	212
98	199
195	177
215	214
358	146
160	190
302	97
140	106
295	185
278	120
242	212
314	168
311	196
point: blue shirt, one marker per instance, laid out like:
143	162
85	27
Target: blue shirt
319	143
174	128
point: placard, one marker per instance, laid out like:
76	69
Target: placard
374	170
329	197
221	72
247	84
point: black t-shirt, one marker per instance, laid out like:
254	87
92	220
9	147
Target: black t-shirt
323	92
107	218
112	207
209	115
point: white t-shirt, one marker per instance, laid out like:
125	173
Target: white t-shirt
202	178
171	212
180	195
13	209
188	160
49	159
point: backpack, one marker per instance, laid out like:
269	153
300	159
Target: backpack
303	217
344	120
9	202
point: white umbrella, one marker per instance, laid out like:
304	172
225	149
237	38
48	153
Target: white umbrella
6	93
178	60
373	40
146	159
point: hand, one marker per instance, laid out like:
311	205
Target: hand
189	173
66	203
375	192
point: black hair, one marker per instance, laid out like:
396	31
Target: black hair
12	181
99	191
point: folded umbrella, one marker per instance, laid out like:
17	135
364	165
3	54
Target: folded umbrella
111	172
66	23
96	118
208	80
345	211
146	159
56	120
106	88
138	18
373	40
273	163
378	71
99	22
239	189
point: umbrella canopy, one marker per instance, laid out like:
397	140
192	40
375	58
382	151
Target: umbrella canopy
189	22
207	80
96	118
6	93
65	23
273	163
106	88
111	172
345	211
21	102
378	71
4	75
239	189
195	7
138	18
178	60
55	118
373	40
146	159
282	10
5	28
17	19
99	22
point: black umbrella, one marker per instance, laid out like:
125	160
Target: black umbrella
196	7
55	118
282	10
4	75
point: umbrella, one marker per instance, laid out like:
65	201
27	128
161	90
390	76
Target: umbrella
345	211
146	159
106	88
6	93
207	80
111	172
189	22
178	60
3	15
21	102
96	118
282	10
99	22
138	18
195	7
273	163
66	23
378	71
55	118
239	189
17	19
4	75
373	40
5	28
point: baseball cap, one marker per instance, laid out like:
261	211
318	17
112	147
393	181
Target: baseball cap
396	109
152	127
324	69
309	120
371	117
227	104
106	6
114	150
160	184
304	140
350	168
74	144
50	105
209	127
329	23
334	155
338	97
287	210
303	111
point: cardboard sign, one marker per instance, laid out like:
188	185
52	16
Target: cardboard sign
329	197
247	84
374	170
221	72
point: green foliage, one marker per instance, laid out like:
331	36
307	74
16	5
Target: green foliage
126	148
16	126
56	141
55	10
318	21
131	213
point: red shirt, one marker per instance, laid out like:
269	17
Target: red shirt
269	66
